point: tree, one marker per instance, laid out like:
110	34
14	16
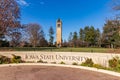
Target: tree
15	39
81	33
43	42
75	37
98	37
110	30
117	39
25	33
70	39
15	36
9	15
51	33
91	36
65	43
86	33
116	36
4	43
34	33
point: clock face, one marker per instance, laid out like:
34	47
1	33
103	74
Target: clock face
58	25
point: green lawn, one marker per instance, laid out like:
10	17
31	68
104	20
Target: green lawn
54	49
102	50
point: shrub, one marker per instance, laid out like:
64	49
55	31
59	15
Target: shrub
16	59
88	62
53	62
4	60
98	66
40	61
74	63
117	68
45	62
114	63
29	62
62	62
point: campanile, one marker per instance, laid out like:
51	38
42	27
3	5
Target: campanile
59	33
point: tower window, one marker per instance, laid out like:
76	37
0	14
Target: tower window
58	25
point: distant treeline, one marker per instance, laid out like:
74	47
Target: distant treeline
91	37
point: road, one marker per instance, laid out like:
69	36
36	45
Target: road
50	73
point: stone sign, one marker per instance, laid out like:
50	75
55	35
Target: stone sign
66	57
55	57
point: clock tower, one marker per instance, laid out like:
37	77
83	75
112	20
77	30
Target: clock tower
59	33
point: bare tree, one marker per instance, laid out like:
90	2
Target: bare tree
110	33
9	15
34	33
15	39
14	35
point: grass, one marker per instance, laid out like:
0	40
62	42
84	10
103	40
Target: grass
64	49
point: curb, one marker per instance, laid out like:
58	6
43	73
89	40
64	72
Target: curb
67	66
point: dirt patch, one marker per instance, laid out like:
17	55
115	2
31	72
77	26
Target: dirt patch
50	73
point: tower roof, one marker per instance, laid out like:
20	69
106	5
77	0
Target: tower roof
58	20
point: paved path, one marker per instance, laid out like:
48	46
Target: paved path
40	72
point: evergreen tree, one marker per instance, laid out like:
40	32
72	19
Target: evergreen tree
70	39
98	37
43	42
81	33
75	37
51	33
91	35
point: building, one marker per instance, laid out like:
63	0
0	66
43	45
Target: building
59	33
